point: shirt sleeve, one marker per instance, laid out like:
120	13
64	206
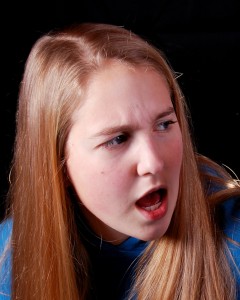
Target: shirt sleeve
5	260
231	229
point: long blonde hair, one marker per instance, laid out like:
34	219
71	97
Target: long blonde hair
49	260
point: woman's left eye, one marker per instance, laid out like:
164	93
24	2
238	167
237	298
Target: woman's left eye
120	139
163	126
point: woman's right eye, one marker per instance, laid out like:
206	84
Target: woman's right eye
118	140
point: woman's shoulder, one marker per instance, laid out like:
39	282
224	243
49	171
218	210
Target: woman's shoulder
216	179
230	224
230	211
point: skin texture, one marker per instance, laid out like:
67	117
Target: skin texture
125	143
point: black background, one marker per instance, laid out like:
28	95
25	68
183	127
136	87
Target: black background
201	40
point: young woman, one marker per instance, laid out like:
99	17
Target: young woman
109	197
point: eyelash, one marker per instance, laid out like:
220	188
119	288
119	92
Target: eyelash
166	124
122	138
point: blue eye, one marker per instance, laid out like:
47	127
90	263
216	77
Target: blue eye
120	139
163	126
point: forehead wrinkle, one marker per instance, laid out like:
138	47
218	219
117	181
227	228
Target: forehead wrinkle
121	122
112	129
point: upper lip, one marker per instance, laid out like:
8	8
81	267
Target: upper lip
152	190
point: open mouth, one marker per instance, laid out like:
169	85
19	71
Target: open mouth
152	201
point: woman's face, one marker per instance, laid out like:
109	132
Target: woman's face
124	154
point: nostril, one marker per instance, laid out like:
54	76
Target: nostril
149	157
149	165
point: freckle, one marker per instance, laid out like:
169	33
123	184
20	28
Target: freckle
102	172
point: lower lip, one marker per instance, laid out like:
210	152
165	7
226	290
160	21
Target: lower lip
155	214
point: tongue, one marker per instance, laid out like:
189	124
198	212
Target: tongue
149	200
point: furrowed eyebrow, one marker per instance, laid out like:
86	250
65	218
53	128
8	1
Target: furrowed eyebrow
113	129
166	113
126	128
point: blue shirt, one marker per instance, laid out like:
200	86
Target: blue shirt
5	264
230	222
119	261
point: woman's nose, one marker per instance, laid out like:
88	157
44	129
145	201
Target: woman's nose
149	158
